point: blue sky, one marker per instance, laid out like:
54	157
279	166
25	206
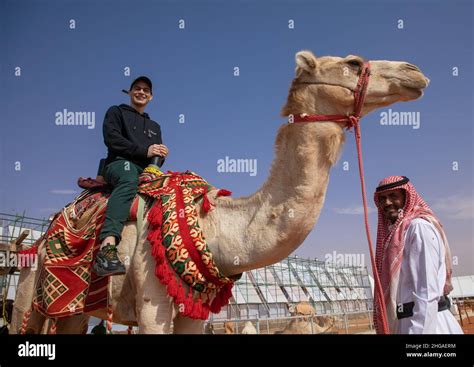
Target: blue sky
82	69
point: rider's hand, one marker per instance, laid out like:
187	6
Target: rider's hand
157	149
163	150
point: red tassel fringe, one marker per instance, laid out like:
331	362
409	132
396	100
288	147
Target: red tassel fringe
166	275
195	309
206	204
224	192
222	298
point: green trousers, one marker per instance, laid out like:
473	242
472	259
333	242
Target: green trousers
123	176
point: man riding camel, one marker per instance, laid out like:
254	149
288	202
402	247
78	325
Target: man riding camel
132	139
414	262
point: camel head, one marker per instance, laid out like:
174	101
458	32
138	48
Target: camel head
335	79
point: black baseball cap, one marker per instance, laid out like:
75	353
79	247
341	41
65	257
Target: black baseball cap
142	78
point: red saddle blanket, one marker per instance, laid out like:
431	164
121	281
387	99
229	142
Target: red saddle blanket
67	285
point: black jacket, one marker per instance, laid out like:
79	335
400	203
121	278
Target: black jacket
128	134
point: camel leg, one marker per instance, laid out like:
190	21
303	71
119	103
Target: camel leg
35	323
185	325
155	310
76	324
17	317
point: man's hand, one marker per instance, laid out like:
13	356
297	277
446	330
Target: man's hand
157	149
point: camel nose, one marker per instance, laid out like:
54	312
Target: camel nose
415	68
412	67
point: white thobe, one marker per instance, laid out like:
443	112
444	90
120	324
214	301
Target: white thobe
422	279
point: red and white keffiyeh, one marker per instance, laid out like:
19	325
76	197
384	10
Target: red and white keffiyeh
391	242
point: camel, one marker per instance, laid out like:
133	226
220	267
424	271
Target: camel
319	325
264	228
303	325
301	308
229	327
249	328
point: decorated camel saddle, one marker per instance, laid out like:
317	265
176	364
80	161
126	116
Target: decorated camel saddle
167	201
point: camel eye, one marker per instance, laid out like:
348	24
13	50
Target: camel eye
354	63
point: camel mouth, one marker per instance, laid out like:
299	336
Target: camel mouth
413	88
412	93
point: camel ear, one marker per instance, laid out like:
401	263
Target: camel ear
305	60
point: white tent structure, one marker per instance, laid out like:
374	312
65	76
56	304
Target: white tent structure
270	292
463	287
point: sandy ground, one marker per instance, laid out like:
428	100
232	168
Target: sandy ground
467	322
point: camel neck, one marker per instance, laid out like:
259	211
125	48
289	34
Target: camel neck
269	225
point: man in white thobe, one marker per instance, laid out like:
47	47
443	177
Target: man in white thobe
414	262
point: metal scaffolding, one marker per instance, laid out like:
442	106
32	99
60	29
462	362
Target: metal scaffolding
11	228
270	292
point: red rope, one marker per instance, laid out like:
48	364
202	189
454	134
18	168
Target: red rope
110	317
53	329
24	322
377	283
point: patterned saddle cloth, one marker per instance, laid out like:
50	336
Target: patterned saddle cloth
67	286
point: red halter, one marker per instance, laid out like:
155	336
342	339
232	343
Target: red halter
352	121
359	98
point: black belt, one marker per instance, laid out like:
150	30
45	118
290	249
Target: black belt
406	310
